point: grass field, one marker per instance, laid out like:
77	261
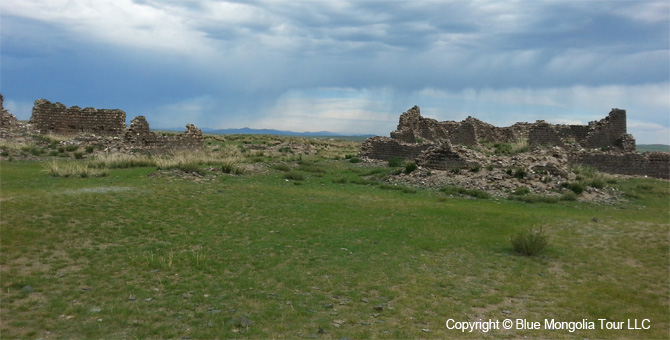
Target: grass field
316	249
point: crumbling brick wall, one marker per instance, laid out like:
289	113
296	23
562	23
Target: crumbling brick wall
50	117
441	145
383	148
7	120
543	134
57	118
442	157
652	164
139	136
605	133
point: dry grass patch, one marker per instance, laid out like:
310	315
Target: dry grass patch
74	169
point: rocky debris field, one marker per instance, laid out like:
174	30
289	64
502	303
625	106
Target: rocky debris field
541	172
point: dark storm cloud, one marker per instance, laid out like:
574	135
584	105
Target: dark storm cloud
247	62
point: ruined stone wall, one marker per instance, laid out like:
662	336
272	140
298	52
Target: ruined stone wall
652	164
139	137
57	118
7	120
384	148
606	132
442	157
543	134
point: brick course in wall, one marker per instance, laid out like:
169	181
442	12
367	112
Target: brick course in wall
383	148
652	164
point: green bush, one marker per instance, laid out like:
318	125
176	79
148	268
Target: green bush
89	149
78	155
576	187
597	183
71	147
475	168
355	160
340	180
396	161
4	153
409	167
530	242
281	167
521	191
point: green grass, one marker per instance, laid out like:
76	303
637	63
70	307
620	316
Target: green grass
254	256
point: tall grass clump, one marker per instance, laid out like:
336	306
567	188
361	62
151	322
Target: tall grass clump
121	161
410	167
74	169
395	161
530	242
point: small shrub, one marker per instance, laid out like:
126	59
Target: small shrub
502	149
576	187
70	148
489	167
282	167
53	153
188	167
569	196
530	242
294	176
455	170
340	180
61	149
409	167
520	173
355	160
78	155
521	191
475	168
4	153
597	183
232	167
396	161
89	149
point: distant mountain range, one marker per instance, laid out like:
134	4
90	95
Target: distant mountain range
250	131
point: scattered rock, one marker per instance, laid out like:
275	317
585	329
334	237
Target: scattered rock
149	299
364	300
96	310
378	308
426	330
506	312
28	289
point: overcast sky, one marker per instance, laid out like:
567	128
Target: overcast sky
343	66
